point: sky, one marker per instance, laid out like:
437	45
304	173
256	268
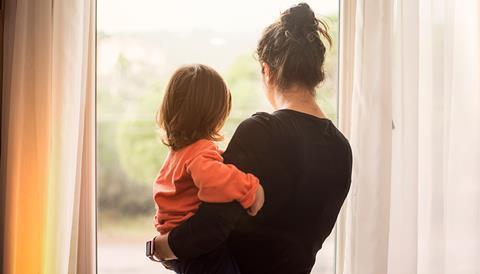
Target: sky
222	16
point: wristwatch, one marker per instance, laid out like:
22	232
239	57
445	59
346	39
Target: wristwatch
150	251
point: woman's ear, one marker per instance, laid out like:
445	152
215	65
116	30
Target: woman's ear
266	72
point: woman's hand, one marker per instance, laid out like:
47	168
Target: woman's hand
162	249
259	200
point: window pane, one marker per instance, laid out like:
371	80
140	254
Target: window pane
140	43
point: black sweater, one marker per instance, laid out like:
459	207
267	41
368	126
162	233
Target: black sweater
304	164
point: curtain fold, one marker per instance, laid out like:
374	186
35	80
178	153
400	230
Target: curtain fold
414	125
370	112
48	132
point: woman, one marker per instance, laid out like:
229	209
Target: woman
303	163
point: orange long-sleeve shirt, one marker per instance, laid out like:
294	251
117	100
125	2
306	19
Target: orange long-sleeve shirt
194	174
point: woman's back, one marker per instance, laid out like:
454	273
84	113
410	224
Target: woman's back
304	164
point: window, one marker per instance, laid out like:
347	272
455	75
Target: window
140	43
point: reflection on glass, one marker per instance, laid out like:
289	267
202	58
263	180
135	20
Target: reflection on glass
139	45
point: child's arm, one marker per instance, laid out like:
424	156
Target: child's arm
218	182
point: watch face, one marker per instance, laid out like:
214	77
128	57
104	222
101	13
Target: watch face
148	248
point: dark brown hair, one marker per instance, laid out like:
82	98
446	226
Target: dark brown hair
195	106
293	50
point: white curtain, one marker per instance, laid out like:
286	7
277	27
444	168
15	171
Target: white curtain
410	105
48	137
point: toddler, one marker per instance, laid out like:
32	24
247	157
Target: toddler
194	109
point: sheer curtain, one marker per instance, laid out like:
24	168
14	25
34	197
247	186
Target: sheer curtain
48	136
410	85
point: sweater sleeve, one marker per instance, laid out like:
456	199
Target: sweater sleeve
213	222
220	183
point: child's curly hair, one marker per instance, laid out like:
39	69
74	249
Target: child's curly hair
195	106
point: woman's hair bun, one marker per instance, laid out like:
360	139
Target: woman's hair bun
299	19
293	49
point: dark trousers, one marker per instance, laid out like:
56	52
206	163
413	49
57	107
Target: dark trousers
219	261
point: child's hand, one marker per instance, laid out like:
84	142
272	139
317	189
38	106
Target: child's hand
259	200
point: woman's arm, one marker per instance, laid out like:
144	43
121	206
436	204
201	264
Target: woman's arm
206	230
210	228
162	249
212	223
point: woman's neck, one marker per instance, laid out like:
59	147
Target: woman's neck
297	99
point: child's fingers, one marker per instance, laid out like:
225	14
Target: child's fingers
252	212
